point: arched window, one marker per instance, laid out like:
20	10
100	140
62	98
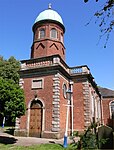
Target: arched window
41	33
53	33
111	110
92	106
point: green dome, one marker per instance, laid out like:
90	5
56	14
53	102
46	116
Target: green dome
49	14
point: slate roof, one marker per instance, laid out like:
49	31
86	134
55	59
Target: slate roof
105	92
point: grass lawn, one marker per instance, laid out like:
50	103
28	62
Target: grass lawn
10	146
34	147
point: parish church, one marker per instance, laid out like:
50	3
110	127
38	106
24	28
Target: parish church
59	99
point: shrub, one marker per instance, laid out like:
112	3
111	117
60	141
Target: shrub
88	139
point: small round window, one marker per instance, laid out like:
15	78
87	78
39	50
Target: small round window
64	90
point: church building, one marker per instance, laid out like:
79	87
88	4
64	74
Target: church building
58	98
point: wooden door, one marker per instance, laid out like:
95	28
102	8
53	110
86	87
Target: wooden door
35	127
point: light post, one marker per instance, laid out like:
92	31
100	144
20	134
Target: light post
67	116
72	114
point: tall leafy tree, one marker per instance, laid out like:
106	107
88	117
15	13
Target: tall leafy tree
12	103
11	99
9	69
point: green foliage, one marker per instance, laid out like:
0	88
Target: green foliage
11	99
88	139
9	69
105	18
12	103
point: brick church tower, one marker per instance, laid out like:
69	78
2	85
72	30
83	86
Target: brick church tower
46	78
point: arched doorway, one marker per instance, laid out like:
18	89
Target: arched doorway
36	114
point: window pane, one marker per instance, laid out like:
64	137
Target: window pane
53	33
112	110
42	33
112	107
64	90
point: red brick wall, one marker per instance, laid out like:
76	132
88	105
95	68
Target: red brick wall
45	94
63	107
78	106
23	123
78	109
48	46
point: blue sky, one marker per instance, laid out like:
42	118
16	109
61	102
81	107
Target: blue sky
17	18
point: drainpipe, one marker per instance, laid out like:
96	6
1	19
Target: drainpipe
102	115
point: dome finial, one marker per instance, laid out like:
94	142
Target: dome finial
49	6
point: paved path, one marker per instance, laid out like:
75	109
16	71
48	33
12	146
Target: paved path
27	141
